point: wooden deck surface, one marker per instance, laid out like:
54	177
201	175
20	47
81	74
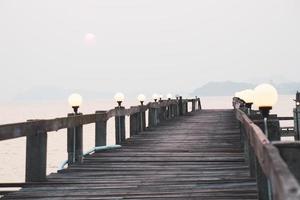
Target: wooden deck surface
192	157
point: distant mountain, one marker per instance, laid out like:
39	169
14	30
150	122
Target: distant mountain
288	88
228	88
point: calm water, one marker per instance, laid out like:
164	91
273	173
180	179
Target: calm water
12	152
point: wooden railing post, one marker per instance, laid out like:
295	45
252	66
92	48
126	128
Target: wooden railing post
297	122
173	110
199	104
134	124
193	105
180	106
170	111
290	152
120	126
177	109
142	115
184	107
151	117
74	145
162	114
36	157
100	131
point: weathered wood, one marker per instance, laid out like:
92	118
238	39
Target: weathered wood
120	126
162	114
170	111
262	183
199	104
142	125
180	106
252	161
284	184
36	157
285	118
134	124
11	131
186	107
290	152
273	126
100	131
195	157
297	122
193	105
153	115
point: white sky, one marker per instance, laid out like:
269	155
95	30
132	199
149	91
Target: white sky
146	45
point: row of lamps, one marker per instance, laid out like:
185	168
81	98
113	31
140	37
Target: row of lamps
264	97
75	100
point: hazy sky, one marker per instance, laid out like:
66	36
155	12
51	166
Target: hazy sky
146	45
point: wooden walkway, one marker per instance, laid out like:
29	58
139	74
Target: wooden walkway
197	156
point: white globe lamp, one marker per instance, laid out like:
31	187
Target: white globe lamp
75	101
119	98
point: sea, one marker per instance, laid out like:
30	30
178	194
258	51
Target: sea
12	152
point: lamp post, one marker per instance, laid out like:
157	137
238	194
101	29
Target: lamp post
265	97
141	98
119	98
75	101
155	97
160	97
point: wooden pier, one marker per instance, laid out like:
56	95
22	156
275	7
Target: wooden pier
202	154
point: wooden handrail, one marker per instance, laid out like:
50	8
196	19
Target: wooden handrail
285	118
36	130
283	182
10	131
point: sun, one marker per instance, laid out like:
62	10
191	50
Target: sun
89	39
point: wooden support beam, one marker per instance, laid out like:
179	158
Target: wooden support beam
297	122
134	124
162	114
120	126
199	104
193	105
142	125
36	157
180	106
100	131
290	152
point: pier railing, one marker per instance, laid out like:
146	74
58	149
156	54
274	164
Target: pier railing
267	161
36	131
